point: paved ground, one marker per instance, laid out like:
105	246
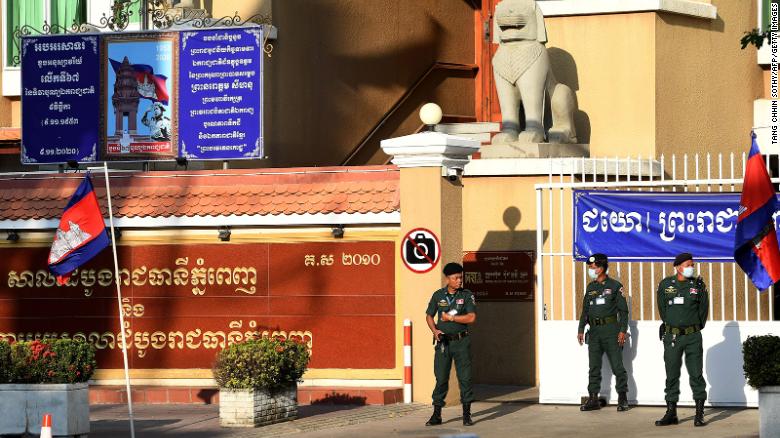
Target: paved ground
493	418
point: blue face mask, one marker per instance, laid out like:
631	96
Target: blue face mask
592	273
687	272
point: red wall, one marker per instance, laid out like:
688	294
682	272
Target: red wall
183	303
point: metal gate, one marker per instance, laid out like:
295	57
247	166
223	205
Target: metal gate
735	304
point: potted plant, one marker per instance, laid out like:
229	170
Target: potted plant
762	371
258	381
45	376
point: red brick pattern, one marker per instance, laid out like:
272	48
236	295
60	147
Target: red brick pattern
294	191
10	134
349	396
101	395
189	395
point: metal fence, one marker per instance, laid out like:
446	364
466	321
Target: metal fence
561	280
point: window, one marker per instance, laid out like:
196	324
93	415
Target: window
764	15
58	13
33	13
764	54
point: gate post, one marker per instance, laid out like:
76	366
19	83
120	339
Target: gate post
431	164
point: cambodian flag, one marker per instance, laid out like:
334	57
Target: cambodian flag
755	242
81	234
150	85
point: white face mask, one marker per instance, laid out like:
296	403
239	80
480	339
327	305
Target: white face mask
592	273
687	272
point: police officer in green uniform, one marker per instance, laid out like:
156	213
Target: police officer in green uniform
683	302
456	308
604	308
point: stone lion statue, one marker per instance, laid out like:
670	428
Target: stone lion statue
521	67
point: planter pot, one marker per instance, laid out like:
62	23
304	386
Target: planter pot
23	406
252	408
768	407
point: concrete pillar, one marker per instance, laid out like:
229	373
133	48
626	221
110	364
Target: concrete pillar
431	164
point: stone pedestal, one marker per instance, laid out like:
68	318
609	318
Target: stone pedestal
23	406
768	407
535	150
252	408
431	197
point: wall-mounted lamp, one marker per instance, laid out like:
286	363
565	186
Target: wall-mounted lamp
13	236
337	231
224	234
117	233
73	164
181	161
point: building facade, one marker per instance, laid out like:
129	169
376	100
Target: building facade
653	80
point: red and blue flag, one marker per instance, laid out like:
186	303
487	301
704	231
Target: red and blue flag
755	242
150	85
81	234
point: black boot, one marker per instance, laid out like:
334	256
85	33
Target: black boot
622	402
435	419
592	404
698	420
670	417
467	415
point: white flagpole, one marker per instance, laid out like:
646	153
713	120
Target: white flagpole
119	300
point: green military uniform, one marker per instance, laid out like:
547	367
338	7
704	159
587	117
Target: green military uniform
683	306
605	309
456	347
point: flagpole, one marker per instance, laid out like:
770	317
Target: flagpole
119	300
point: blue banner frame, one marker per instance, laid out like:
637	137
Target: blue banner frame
221	94
60	98
216	84
652	226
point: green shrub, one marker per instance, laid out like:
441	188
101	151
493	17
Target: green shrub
46	361
762	360
5	362
261	364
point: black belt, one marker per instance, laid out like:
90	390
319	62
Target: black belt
688	330
605	320
454	337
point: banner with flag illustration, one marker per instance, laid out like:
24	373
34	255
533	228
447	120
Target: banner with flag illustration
81	234
118	96
150	86
755	241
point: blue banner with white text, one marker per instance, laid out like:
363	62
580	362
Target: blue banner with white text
652	226
221	94
60	98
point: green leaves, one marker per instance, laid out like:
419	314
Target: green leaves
261	364
754	37
47	361
762	360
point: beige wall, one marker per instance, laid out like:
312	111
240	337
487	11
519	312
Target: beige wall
432	202
660	83
244	9
500	215
609	61
705	84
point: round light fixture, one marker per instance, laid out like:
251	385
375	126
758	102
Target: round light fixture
430	114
